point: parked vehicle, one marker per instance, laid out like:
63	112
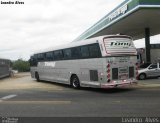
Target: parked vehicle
153	70
5	67
144	65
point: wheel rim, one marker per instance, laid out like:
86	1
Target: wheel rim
75	83
142	76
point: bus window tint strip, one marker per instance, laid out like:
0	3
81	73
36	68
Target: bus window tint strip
58	55
85	51
94	51
49	56
67	53
41	56
81	52
76	53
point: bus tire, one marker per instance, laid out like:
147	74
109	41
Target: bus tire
37	76
142	76
75	82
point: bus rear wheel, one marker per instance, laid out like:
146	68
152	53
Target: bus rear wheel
37	76
75	82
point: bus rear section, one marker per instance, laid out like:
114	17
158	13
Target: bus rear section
120	71
120	67
5	69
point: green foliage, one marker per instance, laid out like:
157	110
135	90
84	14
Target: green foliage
21	65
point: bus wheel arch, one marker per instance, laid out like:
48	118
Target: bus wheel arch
37	76
74	81
142	76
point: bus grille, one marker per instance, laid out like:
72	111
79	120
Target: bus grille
114	73
131	72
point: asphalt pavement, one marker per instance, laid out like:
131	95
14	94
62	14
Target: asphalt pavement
150	82
22	96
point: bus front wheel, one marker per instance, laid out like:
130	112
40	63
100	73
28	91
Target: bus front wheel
75	82
37	76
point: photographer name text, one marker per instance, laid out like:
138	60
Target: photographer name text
12	2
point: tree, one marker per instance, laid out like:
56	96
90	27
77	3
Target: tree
21	65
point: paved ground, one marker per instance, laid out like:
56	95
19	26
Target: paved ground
22	96
150	83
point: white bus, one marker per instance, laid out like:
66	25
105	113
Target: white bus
5	68
101	62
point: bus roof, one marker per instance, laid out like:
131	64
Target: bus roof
4	59
80	43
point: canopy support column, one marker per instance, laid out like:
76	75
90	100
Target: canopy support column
147	44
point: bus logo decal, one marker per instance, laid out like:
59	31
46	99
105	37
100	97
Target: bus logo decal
121	44
50	64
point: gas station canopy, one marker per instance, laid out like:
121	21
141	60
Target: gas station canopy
137	18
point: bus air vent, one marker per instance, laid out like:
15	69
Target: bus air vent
114	73
131	72
93	75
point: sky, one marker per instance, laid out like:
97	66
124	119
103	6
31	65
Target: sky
40	24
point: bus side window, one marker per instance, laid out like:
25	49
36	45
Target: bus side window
41	57
76	53
49	56
33	60
94	51
84	51
58	55
67	54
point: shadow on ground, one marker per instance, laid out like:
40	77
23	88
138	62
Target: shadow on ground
98	90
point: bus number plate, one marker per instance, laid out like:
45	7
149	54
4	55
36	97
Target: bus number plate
123	77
